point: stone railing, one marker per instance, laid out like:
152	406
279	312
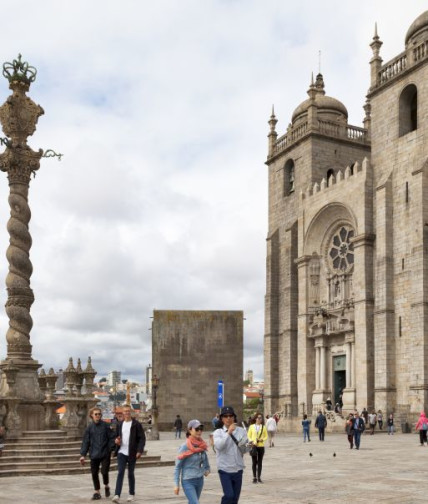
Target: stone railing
393	68
421	51
330	128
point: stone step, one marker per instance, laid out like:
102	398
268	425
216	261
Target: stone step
45	433
46	468
42	444
73	457
52	462
11	451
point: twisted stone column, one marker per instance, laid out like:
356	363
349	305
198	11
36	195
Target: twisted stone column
18	117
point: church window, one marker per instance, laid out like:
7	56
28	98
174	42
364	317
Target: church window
342	250
289	177
408	110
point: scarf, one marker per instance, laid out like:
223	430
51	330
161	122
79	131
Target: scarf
193	446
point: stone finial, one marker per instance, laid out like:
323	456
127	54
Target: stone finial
19	71
339	176
366	164
272	133
319	84
347	172
323	184
357	167
316	188
331	180
376	61
79	366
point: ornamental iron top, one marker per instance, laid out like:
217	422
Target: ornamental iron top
19	71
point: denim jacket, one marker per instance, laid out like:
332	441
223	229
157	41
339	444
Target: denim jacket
190	467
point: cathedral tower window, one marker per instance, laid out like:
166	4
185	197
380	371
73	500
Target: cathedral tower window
342	250
408	110
289	177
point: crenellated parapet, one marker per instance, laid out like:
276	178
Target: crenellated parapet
347	176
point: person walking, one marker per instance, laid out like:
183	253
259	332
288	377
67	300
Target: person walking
380	419
349	428
359	427
178	424
98	440
129	447
230	442
271	427
372	422
422	427
306	424
321	424
257	435
390	425
192	463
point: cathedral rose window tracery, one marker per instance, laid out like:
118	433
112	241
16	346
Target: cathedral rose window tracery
341	251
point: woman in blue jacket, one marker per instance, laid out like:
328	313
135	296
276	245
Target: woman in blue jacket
192	463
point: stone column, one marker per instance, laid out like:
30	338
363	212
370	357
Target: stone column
305	353
322	367
317	368
348	365
18	116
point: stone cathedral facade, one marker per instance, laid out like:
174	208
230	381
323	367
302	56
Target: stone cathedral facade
346	309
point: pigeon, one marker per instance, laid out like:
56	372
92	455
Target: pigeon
334	454
310	454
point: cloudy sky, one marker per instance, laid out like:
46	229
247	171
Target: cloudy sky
161	110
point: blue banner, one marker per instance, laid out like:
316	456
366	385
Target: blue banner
220	394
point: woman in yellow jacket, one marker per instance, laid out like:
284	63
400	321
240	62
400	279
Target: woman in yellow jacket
257	434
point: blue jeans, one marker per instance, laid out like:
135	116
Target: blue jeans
357	436
321	433
306	435
193	489
231	483
122	461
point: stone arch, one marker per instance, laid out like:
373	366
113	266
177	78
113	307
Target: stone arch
408	110
289	177
319	231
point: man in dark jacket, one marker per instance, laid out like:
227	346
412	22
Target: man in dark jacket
321	424
99	441
359	427
129	447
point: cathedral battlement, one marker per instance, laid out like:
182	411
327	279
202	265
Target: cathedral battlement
348	175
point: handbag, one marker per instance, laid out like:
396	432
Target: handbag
253	451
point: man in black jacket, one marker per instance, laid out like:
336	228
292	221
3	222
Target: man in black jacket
99	441
321	424
129	447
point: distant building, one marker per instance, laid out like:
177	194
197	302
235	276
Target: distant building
192	350
114	378
249	376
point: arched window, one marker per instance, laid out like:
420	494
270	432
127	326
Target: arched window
330	172
408	110
289	177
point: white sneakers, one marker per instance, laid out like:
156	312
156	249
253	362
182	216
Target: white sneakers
131	498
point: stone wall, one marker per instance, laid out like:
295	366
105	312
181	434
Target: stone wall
192	350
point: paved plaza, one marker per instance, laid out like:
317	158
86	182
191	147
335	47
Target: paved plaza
386	469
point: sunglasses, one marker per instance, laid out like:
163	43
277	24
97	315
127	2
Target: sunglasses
97	414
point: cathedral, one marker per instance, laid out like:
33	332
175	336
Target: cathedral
346	307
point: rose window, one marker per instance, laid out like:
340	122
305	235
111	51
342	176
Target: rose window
341	250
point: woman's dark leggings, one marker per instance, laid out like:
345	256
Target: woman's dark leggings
258	462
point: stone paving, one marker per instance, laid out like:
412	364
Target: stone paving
386	469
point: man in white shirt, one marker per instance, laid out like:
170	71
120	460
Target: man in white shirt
230	443
129	447
271	429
